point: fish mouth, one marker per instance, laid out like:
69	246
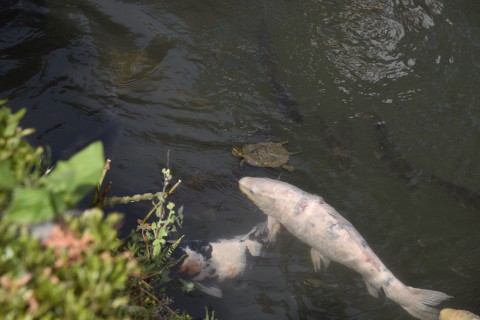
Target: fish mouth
243	186
246	188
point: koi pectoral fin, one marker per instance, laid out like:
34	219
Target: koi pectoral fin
374	291
254	247
273	227
319	261
213	291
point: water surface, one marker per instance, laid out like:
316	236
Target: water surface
198	78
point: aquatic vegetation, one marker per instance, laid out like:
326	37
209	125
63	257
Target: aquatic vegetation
148	244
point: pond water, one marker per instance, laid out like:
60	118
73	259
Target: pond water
193	79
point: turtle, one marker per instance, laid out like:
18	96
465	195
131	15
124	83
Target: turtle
264	154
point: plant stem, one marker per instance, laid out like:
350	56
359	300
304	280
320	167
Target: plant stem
96	195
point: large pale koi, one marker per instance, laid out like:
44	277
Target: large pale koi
331	237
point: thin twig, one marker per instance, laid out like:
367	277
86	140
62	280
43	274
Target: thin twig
174	187
105	192
96	195
134	198
168	159
148	293
151	211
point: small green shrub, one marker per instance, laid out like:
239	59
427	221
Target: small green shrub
75	273
148	244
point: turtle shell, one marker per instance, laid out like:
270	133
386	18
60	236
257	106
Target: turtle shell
265	154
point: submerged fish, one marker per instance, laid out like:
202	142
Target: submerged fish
332	237
288	105
396	163
286	102
219	260
452	314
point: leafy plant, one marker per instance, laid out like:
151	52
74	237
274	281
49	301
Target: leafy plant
79	269
19	162
32	197
74	273
148	243
208	316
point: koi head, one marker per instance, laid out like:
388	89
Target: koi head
272	196
257	190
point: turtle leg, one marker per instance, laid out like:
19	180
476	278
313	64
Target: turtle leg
288	167
242	163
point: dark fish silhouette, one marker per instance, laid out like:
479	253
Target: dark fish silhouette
288	105
108	130
334	146
286	102
390	155
396	163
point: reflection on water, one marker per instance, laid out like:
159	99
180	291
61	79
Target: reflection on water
200	77
363	39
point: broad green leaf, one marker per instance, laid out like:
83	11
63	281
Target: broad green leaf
30	205
73	179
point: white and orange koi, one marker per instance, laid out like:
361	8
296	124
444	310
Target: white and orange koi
218	260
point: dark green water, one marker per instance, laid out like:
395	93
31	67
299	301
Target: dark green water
198	78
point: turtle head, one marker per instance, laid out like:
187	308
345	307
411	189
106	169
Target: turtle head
237	152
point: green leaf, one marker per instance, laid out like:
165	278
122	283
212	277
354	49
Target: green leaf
156	247
162	234
187	286
72	180
180	212
30	205
7	179
15	118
